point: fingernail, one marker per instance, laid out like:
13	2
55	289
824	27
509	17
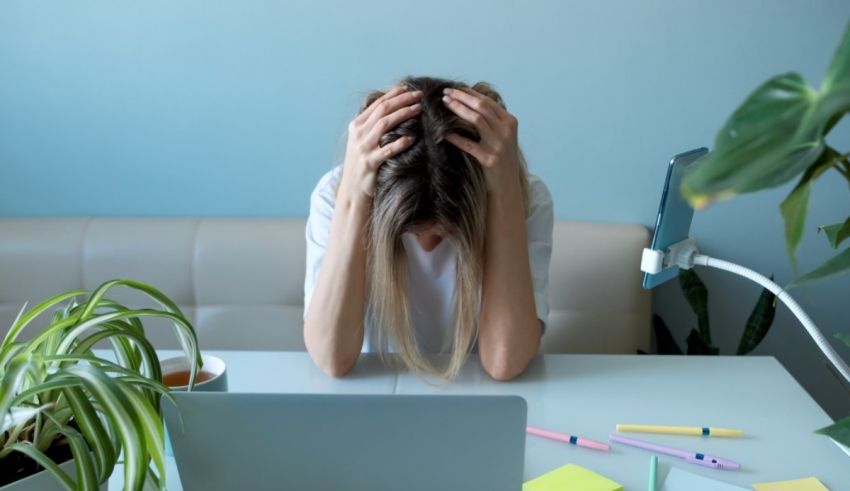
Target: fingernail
447	99
416	107
447	91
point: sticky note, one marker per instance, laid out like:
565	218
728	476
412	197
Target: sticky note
679	480
571	477
807	484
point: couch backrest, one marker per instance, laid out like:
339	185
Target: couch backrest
240	280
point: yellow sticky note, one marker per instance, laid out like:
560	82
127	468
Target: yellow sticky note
571	477
807	484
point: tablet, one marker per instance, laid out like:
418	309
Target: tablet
674	214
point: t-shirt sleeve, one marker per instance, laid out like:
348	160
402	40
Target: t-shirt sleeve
322	201
538	228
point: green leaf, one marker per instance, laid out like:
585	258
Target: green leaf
86	473
770	138
22	321
840	431
795	206
794	213
759	322
698	346
836	233
119	410
836	265
835	88
697	296
843	336
43	460
663	339
94	431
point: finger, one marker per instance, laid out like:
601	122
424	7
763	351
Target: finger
469	114
390	121
389	151
478	102
391	105
468	146
364	115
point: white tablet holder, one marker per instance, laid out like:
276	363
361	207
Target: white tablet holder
685	255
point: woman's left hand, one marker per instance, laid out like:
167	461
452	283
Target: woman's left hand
497	152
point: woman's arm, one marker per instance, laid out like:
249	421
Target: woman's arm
509	329
333	324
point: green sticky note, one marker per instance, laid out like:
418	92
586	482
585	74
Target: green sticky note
571	477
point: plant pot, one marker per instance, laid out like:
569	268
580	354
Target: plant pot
45	481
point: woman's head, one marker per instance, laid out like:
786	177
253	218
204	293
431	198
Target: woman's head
431	187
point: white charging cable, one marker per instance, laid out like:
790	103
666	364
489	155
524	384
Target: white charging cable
685	255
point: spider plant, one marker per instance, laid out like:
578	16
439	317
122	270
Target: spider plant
56	392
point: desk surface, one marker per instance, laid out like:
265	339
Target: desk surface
589	394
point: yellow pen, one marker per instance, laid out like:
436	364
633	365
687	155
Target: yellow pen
681	430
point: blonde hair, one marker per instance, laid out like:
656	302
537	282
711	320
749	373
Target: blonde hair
432	180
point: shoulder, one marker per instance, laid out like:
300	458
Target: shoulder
324	193
328	182
539	196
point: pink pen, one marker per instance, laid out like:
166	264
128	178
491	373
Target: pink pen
575	440
692	457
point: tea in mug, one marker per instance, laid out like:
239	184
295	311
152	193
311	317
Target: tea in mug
181	378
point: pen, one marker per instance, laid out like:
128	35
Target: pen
575	440
653	473
681	430
692	457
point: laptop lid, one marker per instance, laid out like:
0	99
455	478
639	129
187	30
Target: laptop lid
233	441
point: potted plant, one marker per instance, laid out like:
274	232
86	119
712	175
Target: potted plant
60	401
775	135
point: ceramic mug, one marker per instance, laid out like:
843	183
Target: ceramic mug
212	377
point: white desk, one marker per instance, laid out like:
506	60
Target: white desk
588	394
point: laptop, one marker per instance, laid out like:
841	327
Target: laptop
316	442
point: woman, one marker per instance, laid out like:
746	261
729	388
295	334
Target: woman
431	236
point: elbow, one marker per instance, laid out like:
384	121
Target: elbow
502	366
328	358
337	370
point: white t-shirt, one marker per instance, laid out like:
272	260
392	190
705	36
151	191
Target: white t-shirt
431	280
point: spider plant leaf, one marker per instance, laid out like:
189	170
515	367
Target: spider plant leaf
13	380
838	264
163	300
151	426
771	137
92	428
43	460
22	321
119	410
87	477
18	415
836	233
759	322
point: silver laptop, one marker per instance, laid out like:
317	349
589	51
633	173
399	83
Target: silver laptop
233	441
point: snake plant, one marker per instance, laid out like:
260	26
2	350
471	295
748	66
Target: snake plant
56	392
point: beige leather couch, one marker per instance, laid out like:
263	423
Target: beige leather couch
240	280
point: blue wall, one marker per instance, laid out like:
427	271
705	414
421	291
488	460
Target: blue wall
236	108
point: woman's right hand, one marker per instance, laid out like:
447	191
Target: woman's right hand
363	154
